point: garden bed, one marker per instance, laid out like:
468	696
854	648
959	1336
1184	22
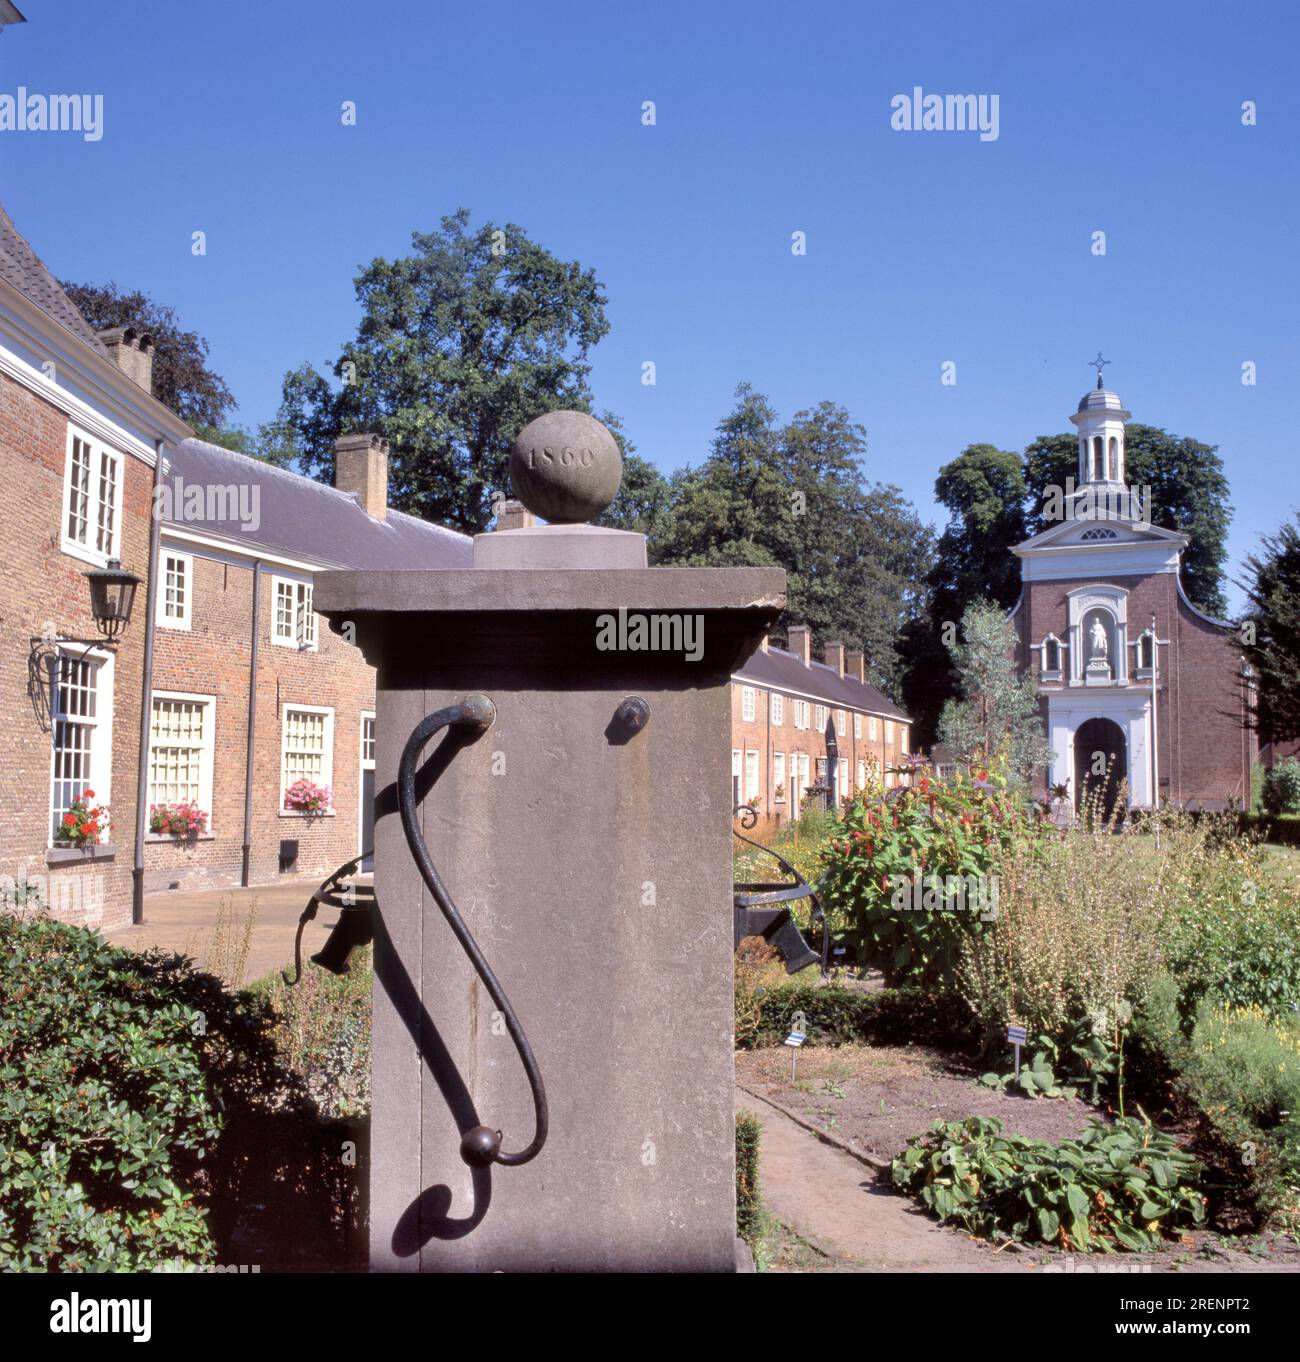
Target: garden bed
873	1098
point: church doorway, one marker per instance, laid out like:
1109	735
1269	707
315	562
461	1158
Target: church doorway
1100	765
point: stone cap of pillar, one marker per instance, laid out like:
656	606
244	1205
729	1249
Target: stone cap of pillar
609	619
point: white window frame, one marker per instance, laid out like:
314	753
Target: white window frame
89	551
841	723
737	776
843	783
777	704
301	590
185	618
889	732
862	774
902	738
819	718
327	757
857	726
778	778
100	778
365	763
873	729
801	714
207	747
753	775
747	704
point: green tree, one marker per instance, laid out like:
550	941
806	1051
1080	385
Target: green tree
794	495
182	380
460	344
997	713
1270	635
1189	493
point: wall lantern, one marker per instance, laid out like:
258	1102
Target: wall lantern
112	598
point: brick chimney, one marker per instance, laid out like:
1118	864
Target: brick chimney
855	665
132	352
833	656
798	640
514	515
361	467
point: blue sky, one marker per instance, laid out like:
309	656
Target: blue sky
771	118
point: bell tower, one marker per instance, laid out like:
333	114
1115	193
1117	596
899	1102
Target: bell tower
1100	418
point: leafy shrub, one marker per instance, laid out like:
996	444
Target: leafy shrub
1121	1186
942	834
749	1204
1236	937
1242	1070
105	1112
1282	787
836	1015
321	1028
1081	928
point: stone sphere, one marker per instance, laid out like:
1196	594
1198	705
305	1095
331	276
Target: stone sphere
565	467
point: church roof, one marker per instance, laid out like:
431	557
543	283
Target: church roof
1100	399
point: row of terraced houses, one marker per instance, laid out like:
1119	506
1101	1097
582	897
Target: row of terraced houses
226	691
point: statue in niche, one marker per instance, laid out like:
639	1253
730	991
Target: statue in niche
1100	645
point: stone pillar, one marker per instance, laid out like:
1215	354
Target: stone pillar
592	864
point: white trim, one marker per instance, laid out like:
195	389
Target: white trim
776	708
185	620
364	764
228	551
96	452
753	788
101	736
207	748
1200	614
1129	708
747	705
310	642
327	757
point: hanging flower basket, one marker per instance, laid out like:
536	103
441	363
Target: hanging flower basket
177	820
305	797
83	823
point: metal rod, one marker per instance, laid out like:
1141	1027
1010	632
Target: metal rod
246	873
471	718
146	689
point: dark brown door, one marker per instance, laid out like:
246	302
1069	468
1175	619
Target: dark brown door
1100	765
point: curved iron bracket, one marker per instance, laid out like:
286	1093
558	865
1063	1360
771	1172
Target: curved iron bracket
755	914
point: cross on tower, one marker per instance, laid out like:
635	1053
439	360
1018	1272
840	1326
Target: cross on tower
1099	364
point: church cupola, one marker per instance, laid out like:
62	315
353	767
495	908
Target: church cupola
1100	419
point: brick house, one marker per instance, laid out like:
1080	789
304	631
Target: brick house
79	442
781	702
1136	684
223	630
241	543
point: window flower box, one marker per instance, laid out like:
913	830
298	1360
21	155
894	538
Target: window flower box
83	824
305	797
178	820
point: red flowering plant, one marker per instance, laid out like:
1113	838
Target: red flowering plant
84	822
907	874
305	797
177	820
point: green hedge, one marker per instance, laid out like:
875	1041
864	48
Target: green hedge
105	1113
843	1016
749	1204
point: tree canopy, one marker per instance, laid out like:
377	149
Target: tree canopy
460	344
182	380
794	495
1271	633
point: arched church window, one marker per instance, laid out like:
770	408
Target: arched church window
1112	460
1146	651
1051	654
1098	459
